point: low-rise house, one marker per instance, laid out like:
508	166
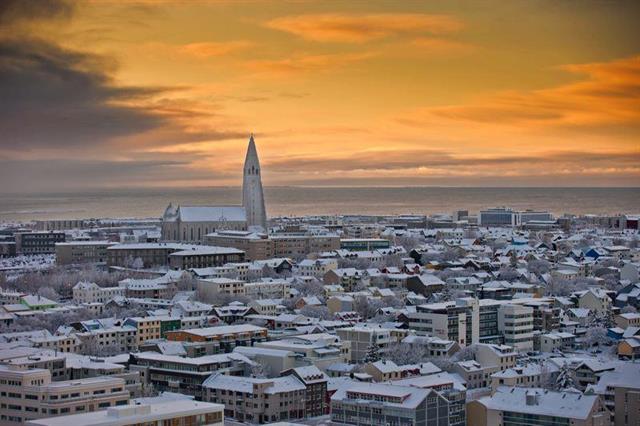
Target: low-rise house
386	370
631	319
37	302
316	268
528	376
340	303
557	341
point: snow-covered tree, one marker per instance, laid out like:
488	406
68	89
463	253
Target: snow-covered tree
366	307
405	353
260	371
48	293
137	263
321	312
565	379
596	336
373	354
309	288
538	267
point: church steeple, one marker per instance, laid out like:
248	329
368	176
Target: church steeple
252	194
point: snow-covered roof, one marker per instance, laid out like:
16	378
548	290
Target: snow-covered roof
245	384
408	397
545	403
212	213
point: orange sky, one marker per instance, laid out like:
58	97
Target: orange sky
464	93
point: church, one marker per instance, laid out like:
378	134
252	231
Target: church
193	223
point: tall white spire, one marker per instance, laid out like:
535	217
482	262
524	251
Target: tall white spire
252	194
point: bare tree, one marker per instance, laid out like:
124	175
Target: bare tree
538	267
309	288
366	307
405	353
321	312
409	242
48	293
137	263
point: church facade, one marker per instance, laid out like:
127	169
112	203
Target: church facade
193	223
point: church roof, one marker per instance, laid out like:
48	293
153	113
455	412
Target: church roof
212	213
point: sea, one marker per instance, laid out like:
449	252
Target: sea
298	201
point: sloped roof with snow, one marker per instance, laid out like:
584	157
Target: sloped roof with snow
212	213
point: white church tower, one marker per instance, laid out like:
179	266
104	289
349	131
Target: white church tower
252	195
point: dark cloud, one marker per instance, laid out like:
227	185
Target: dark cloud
68	174
57	98
53	97
13	12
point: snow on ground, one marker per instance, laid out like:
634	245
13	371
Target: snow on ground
24	263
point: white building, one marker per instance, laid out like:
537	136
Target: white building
85	292
515	322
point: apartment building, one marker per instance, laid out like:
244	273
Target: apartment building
500	216
157	411
257	246
315	382
253	400
448	386
316	268
365	404
556	341
300	245
267	289
528	376
77	252
467	320
119	338
321	350
457	321
147	328
38	242
204	257
620	391
209	287
517	406
228	336
28	394
85	292
362	337
158	254
515	323
182	374
149	288
364	244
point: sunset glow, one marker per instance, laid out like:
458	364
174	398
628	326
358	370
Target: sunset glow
162	93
